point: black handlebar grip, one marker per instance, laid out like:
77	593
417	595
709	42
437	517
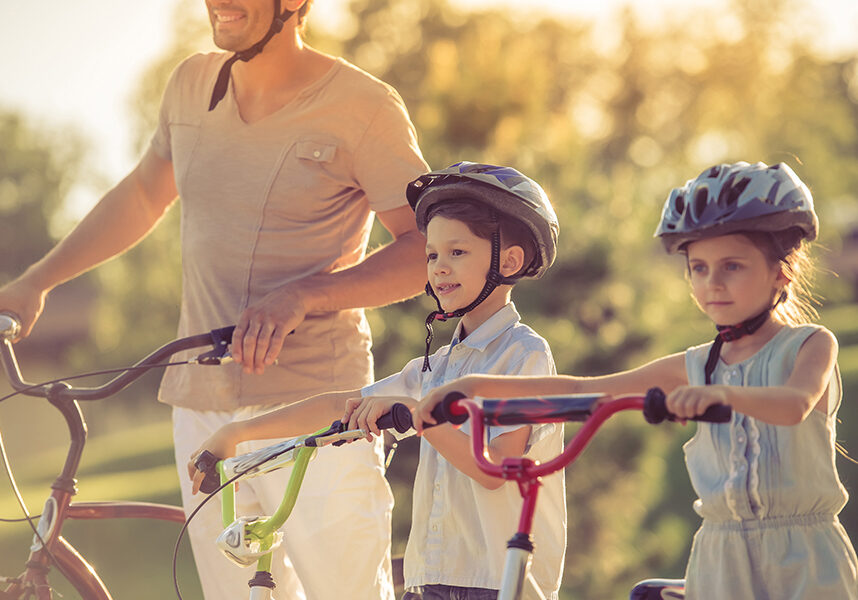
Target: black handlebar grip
655	410
717	413
442	412
399	418
206	463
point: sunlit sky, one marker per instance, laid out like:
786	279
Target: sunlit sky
75	65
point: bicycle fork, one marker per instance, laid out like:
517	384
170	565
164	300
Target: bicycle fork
519	553
252	539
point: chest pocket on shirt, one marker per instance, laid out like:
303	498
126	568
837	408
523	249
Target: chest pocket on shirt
315	151
311	185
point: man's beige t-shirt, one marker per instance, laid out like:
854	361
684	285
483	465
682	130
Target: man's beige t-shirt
273	201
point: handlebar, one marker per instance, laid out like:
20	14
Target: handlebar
558	409
64	396
591	409
456	409
278	455
10	327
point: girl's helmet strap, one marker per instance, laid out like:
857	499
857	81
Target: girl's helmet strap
728	333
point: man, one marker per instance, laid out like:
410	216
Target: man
280	153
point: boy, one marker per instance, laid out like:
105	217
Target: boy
486	227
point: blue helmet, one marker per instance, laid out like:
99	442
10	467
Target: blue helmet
504	189
733	198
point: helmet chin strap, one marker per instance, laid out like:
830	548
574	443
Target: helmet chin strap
245	55
494	278
728	333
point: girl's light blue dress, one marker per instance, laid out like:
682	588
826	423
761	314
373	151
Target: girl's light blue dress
769	495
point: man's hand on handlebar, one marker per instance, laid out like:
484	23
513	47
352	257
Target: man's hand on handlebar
262	328
24	302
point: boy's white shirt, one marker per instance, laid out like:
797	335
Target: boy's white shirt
459	529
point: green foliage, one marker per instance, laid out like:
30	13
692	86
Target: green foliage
35	175
144	285
609	130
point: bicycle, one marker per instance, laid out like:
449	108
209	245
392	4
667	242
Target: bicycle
246	540
591	409
49	549
249	539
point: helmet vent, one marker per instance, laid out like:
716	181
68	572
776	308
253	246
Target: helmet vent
773	194
731	191
679	204
700	197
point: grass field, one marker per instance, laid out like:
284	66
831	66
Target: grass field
129	456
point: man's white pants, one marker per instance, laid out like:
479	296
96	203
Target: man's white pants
337	539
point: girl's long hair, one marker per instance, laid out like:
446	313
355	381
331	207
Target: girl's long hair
792	252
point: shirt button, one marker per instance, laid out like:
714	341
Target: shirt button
317	154
740	439
437	486
434	528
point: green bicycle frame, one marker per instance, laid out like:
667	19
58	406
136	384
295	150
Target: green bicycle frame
264	530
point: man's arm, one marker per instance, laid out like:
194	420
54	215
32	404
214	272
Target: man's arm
121	218
392	273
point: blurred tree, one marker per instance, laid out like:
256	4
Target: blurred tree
35	175
141	290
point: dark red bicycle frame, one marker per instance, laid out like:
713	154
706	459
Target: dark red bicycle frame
525	471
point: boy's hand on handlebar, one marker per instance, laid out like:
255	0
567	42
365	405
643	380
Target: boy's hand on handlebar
262	328
689	401
362	413
222	444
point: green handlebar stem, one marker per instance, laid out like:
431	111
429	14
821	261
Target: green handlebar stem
264	529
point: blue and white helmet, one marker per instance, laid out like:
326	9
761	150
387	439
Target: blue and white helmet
733	198
504	189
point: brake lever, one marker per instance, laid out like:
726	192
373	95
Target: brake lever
219	355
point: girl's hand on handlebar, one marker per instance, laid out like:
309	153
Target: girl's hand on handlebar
222	444
689	401
362	413
422	413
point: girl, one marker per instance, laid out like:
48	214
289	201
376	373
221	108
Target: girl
768	488
486	227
